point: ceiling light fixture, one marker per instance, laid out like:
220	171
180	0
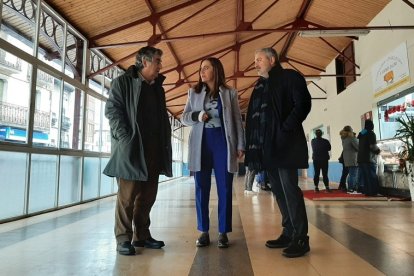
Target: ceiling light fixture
312	78
328	33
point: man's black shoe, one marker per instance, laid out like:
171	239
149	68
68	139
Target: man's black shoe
223	240
149	243
281	242
264	187
316	190
125	248
297	248
203	240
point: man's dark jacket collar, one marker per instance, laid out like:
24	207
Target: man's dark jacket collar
276	70
132	72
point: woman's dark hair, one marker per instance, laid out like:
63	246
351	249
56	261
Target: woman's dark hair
219	78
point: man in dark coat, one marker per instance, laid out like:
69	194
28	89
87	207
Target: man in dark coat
141	147
275	142
320	157
367	160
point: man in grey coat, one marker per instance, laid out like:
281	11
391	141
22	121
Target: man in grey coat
141	148
350	153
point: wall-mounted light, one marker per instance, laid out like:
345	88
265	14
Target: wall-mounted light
327	33
312	78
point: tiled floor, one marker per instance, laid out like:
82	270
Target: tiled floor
347	238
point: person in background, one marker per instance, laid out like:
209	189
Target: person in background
276	143
350	154
248	181
367	160
320	156
263	181
141	147
345	171
216	141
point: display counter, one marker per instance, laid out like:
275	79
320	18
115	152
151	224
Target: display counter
392	179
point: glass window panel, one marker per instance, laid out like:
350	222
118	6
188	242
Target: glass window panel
71	124
95	86
97	62
93	124
51	37
74	56
106	92
70	176
15	75
390	112
107	85
176	148
106	135
106	181
91	174
47	115
42	193
18	24
12	191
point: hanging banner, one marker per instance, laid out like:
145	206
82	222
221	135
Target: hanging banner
391	72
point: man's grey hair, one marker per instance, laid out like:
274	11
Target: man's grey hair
270	52
146	53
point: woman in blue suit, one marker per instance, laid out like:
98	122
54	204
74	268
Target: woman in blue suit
216	141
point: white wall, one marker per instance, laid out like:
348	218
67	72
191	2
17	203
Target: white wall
346	108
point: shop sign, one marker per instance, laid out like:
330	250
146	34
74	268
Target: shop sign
391	72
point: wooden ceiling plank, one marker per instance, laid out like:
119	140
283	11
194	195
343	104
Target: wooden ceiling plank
264	11
189	17
142	20
180	83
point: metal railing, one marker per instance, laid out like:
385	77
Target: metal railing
16	115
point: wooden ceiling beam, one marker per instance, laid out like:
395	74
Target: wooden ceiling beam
340	53
305	64
409	3
299	22
311	76
324	91
216	52
179	67
294	67
262	31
